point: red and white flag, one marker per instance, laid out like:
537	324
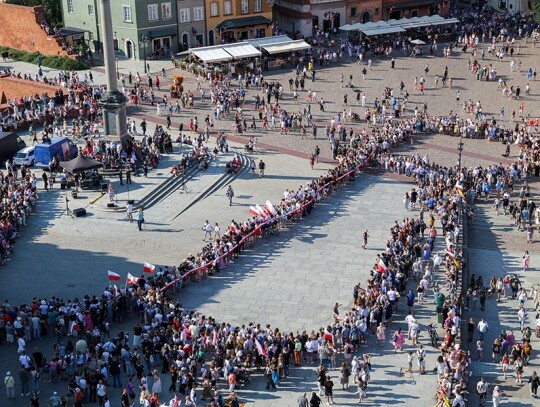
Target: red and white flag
113	276
381	266
132	279
234	229
261	211
117	292
175	402
328	335
254	211
260	348
148	268
269	208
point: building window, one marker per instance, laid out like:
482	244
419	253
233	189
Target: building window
153	12
70	6
166	12
90	9
353	11
184	15
245	6
258	6
126	14
227	7
214	10
198	13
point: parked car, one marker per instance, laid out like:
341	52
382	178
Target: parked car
25	157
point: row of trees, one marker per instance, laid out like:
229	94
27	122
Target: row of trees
53	8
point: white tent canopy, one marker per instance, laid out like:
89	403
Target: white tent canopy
383	30
248	49
393	26
227	52
290	46
261	42
211	54
242	50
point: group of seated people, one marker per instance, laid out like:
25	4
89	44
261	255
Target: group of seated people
234	165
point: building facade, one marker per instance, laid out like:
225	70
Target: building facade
142	28
362	11
191	24
305	18
236	20
396	9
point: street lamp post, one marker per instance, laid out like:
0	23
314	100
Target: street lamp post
143	40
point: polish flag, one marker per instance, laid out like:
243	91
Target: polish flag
261	211
450	254
260	348
254	211
328	335
234	229
381	266
459	186
148	268
131	279
113	276
269	208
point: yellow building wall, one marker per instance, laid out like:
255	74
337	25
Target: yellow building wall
212	21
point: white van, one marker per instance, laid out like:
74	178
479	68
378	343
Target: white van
25	157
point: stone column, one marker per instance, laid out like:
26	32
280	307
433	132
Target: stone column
112	102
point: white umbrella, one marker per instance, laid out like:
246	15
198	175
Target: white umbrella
418	42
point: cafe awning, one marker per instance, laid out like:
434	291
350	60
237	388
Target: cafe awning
72	32
243	22
290	46
242	50
382	31
261	42
211	54
162	32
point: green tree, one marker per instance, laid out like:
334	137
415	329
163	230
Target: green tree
535	7
53	8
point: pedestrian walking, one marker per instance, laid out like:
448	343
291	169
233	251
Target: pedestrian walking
24	379
398	340
140	219
481	389
421	359
230	194
128	175
311	159
329	390
365	236
526	260
303	401
207	229
534	382
262	167
496	396
9	382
